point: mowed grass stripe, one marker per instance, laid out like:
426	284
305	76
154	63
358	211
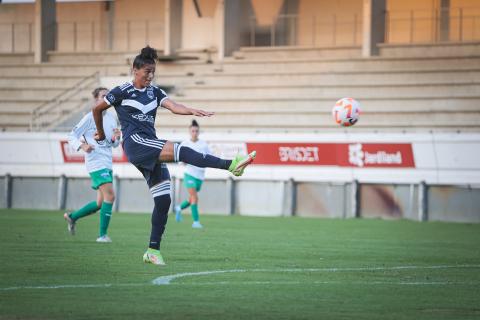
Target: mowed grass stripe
36	251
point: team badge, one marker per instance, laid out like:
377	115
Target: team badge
150	93
111	97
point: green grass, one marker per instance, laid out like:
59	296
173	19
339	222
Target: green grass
35	250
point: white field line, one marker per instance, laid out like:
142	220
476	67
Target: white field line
167	280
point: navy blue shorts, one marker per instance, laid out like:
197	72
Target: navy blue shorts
143	153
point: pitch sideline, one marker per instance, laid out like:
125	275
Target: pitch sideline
167	280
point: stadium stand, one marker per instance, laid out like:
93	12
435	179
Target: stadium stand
410	88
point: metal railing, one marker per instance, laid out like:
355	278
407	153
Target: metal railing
16	37
291	30
439	25
125	35
46	115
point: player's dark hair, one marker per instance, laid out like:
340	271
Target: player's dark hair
97	91
194	124
147	55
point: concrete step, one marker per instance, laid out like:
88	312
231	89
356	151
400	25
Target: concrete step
289	120
319	92
180	80
34	93
14	106
15	58
359	65
280	52
326	78
39	82
119	57
50	69
301	104
430	49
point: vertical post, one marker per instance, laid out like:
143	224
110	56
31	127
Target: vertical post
117	187
13	37
355	29
8	191
290	198
62	192
460	24
110	8
75	36
314	31
92	46
147	32
334	33
45	28
412	19
252	32
128	35
422	201
272	33
30	37
355	194
230	187
373	26
444	24
173	26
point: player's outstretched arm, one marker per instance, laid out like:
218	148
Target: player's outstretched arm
178	108
97	116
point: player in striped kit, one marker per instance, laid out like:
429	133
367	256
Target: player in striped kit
193	177
136	103
98	160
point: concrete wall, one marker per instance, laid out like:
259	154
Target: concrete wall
22	35
263	198
326	23
324	200
201	32
35	193
447	203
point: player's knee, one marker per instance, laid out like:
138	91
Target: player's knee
193	199
109	195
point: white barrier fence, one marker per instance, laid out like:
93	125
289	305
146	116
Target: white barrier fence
423	176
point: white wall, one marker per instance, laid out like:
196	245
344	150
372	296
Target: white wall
439	158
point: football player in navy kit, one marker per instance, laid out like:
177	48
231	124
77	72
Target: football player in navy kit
136	104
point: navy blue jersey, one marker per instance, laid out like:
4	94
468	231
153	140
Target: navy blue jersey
136	108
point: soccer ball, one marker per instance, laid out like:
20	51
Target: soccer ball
346	112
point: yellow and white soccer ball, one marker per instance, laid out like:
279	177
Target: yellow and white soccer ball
346	112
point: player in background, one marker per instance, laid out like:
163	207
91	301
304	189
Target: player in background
193	177
136	103
98	160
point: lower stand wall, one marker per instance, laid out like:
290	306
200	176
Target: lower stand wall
259	198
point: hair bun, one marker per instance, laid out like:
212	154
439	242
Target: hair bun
149	53
194	123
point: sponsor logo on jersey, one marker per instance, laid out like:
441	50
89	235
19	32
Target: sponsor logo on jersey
144	117
111	98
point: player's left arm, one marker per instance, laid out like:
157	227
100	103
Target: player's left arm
179	108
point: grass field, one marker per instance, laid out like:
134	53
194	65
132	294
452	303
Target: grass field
279	268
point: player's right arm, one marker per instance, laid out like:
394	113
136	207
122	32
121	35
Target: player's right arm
98	117
113	98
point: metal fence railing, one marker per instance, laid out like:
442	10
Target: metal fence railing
292	30
16	37
53	111
440	25
74	36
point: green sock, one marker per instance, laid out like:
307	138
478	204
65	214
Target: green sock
105	214
185	204
195	212
86	210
